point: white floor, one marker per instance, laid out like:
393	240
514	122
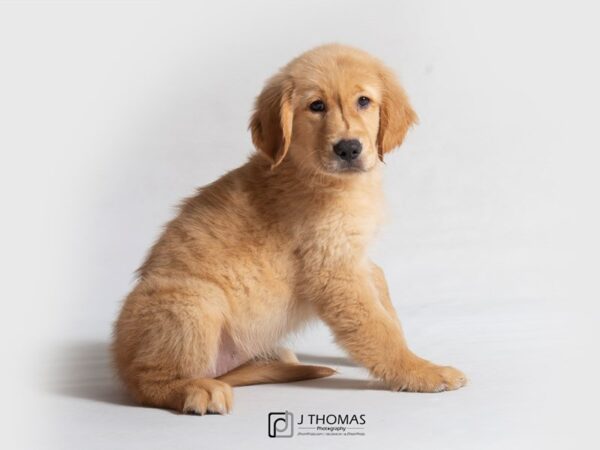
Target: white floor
512	352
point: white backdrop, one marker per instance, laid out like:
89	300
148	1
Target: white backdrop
111	113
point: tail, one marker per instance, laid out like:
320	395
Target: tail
273	372
214	395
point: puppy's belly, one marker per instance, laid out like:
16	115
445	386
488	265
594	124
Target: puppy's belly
228	356
259	336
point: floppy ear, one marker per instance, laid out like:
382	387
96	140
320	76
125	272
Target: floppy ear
271	122
396	115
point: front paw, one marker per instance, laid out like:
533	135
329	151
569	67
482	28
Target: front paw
428	377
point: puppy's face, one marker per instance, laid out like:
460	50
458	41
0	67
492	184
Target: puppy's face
336	120
334	110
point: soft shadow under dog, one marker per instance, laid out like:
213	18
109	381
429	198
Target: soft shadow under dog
337	383
84	370
326	360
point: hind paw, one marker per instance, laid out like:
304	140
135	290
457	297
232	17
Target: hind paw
208	396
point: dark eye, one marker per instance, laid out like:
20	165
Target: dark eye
317	106
363	101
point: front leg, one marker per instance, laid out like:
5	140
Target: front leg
357	308
383	293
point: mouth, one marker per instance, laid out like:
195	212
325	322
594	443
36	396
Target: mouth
337	166
355	166
345	171
351	169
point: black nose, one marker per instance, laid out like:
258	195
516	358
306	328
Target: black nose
348	149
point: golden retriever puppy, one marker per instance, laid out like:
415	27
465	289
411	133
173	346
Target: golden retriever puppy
276	243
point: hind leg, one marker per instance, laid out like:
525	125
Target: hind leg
282	354
166	346
208	395
191	396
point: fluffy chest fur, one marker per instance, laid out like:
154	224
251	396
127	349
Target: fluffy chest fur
300	231
335	215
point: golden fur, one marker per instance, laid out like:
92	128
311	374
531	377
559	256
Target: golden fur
275	243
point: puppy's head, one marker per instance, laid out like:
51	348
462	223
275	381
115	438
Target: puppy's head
334	110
